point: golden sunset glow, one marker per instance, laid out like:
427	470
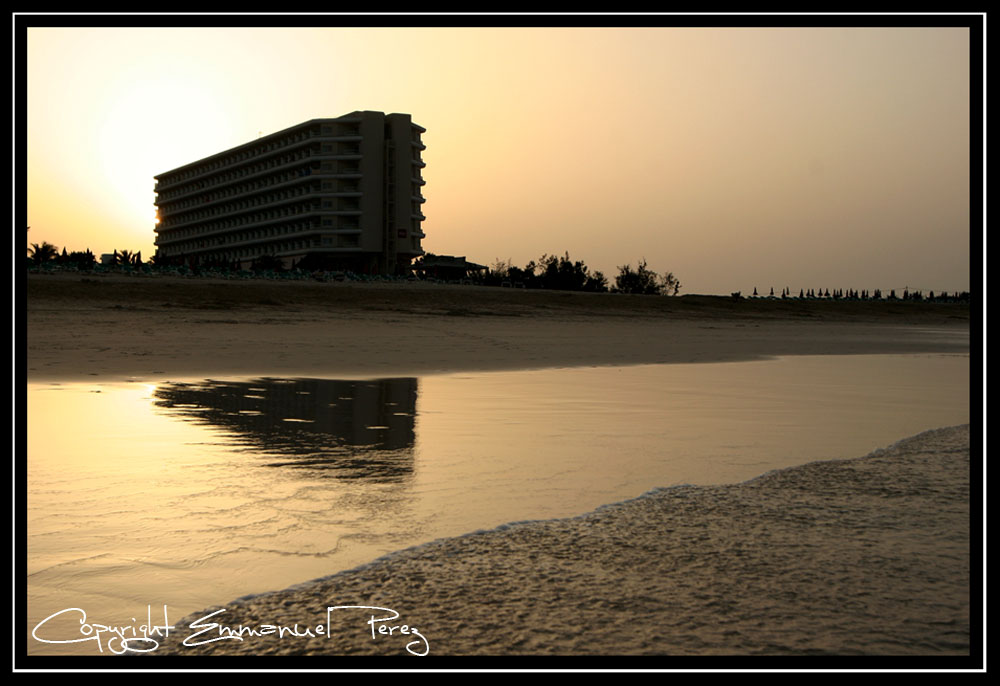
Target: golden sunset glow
733	157
354	336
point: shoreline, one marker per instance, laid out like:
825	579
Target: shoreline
128	328
517	589
656	491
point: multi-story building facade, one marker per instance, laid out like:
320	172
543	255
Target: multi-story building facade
341	193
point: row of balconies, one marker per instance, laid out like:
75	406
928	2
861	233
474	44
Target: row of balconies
251	235
236	174
236	249
190	240
174	214
198	199
228	252
254	202
263	150
257	220
220	207
331	184
254	244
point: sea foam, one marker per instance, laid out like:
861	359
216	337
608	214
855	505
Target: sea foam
863	556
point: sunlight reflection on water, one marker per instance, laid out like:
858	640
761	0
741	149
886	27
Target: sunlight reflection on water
191	493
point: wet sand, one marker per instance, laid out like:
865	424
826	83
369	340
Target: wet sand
682	571
118	328
866	556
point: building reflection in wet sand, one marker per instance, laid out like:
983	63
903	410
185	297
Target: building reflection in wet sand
348	429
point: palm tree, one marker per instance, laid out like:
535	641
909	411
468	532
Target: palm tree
40	254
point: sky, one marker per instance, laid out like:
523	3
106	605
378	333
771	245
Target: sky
735	158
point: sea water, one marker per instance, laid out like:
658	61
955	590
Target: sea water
867	556
189	493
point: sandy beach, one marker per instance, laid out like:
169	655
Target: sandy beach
865	556
580	345
845	557
117	327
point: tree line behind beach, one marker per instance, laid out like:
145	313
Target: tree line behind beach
565	274
549	272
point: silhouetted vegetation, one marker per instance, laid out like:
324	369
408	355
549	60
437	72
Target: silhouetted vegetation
39	254
644	281
562	274
550	272
82	261
565	274
126	258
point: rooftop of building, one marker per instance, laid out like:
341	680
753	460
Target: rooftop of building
344	118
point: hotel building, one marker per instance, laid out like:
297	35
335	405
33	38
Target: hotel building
341	193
